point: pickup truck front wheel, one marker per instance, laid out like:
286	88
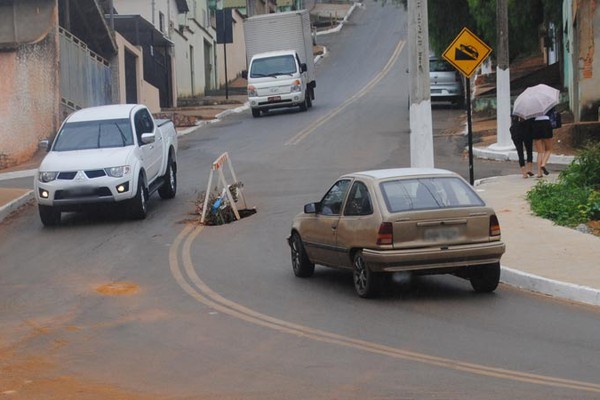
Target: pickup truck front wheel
255	112
138	207
49	215
169	186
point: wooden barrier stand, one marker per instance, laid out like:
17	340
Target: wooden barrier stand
218	167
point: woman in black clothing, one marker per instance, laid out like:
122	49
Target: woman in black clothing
520	132
541	131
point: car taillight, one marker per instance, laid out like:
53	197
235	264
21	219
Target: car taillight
385	235
494	226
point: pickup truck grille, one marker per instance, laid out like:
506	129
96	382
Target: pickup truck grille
69	176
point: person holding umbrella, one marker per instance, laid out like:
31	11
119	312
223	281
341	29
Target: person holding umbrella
535	102
541	133
520	133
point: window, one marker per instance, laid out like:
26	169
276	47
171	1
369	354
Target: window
271	66
359	201
428	193
94	135
161	22
143	124
333	200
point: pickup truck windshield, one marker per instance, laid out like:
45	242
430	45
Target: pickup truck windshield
273	66
94	135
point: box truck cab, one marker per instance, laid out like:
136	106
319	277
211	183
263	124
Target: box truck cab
279	55
277	79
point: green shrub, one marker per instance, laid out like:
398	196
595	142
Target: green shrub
585	168
575	197
559	203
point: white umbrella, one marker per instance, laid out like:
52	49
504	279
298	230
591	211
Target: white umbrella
535	101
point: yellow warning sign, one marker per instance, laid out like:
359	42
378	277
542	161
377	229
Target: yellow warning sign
467	52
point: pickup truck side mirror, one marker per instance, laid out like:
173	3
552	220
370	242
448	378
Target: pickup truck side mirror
303	67
148	138
245	74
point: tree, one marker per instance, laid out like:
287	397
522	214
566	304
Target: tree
526	17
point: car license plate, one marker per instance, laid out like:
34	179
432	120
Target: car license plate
274	98
80	191
443	234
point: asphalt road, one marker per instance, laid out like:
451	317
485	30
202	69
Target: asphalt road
103	307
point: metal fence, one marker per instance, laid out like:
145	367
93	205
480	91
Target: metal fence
85	77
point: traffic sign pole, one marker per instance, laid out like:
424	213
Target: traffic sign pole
466	53
470	132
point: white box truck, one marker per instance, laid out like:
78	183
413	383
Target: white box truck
279	55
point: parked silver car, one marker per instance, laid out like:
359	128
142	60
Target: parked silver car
445	82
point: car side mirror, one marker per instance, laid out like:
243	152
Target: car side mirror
44	144
303	67
148	138
310	208
245	74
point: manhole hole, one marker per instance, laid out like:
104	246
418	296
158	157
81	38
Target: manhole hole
118	289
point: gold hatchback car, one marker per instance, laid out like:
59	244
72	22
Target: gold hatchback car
421	220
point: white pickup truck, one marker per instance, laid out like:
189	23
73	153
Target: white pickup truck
107	154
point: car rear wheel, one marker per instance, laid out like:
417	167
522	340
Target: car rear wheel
302	266
169	187
365	281
138	207
49	215
485	278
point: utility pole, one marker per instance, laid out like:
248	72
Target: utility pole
503	107
250	8
421	126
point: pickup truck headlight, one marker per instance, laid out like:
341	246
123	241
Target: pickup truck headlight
252	91
47	176
296	86
118	172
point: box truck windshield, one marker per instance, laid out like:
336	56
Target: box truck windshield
272	66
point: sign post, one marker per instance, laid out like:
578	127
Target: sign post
466	53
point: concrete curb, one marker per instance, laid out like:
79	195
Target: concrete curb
511	155
538	284
341	24
17	174
11	207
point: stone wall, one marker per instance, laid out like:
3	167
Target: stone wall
29	105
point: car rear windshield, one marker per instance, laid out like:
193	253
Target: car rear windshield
436	65
94	135
428	193
273	66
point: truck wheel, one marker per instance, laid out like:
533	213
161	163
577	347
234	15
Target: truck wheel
304	105
255	112
485	278
169	186
49	215
138	207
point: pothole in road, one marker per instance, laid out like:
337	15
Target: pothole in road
118	289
